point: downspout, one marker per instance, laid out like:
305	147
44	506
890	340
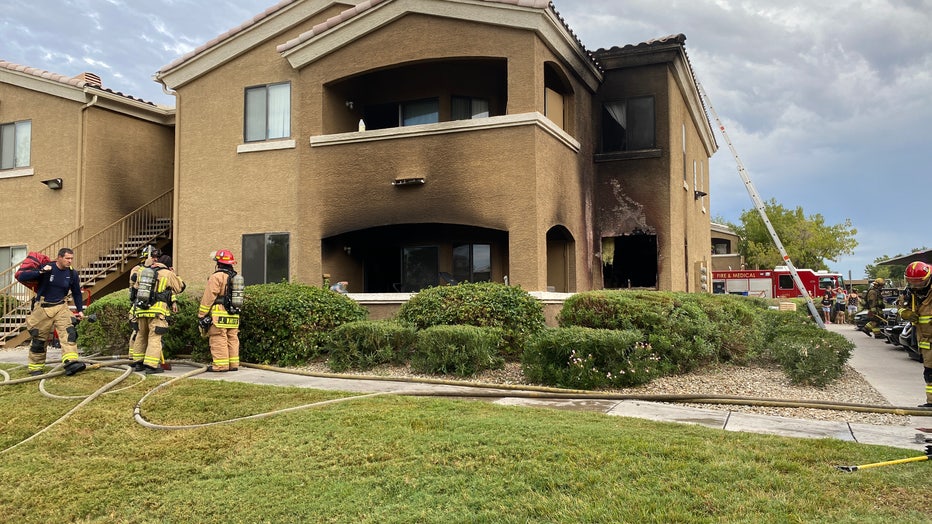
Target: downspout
176	168
82	170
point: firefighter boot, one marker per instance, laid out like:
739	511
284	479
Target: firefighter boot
74	366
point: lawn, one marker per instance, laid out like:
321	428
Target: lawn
402	459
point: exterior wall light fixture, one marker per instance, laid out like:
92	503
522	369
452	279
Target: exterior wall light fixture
699	194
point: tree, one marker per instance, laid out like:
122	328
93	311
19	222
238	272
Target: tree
809	242
893	272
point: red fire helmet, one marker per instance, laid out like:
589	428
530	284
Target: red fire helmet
918	275
223	256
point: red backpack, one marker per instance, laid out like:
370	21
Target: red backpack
34	260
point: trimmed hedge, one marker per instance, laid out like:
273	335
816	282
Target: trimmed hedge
674	325
808	354
457	350
289	324
365	344
588	358
483	304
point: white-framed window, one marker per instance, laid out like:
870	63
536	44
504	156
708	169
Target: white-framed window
268	112
628	124
467	108
15	144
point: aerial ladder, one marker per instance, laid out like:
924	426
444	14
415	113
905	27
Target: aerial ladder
759	204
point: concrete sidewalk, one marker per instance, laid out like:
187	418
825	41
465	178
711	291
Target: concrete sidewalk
900	382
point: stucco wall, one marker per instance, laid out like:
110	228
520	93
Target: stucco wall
31	213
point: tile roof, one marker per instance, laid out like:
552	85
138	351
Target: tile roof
368	4
74	81
320	28
678	38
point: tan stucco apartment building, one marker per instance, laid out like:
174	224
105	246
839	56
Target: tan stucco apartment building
75	157
399	144
393	144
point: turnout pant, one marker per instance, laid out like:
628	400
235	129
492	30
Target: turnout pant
148	342
224	347
40	323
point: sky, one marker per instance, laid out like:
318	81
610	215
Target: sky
826	103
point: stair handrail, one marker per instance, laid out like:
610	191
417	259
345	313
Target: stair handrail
114	237
15	296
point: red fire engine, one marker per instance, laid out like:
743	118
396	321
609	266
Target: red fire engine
775	283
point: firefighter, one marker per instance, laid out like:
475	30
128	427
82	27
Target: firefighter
157	289
918	310
146	257
218	313
874	304
56	280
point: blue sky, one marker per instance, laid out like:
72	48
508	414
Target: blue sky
827	103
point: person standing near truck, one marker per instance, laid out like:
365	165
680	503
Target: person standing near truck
841	305
854	302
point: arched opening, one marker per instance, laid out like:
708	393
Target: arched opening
561	260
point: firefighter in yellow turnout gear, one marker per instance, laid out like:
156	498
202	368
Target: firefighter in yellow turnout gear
157	288
146	257
220	307
874	303
917	308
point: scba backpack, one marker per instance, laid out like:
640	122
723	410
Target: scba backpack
33	262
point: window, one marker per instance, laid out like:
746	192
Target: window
419	268
265	258
628	125
420	112
10	256
268	112
786	282
15	144
472	263
466	108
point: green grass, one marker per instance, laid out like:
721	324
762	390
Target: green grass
400	459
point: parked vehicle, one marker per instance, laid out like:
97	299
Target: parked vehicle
907	339
775	283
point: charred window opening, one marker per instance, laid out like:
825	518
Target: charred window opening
629	261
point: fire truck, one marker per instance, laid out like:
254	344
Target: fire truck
775	283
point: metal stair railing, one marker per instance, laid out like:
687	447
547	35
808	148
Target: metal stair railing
109	250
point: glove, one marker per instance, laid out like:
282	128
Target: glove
909	315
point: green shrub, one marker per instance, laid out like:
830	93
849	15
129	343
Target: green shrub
738	330
183	338
458	350
365	344
589	358
808	354
287	324
484	304
109	333
674	325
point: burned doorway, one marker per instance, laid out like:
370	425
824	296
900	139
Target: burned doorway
629	261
